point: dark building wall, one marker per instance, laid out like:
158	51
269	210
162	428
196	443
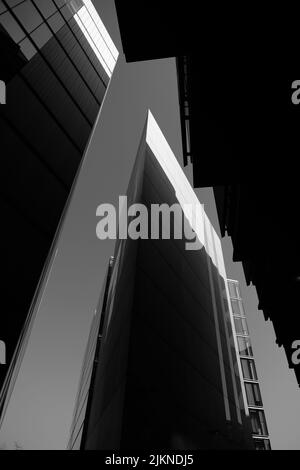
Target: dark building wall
174	387
158	382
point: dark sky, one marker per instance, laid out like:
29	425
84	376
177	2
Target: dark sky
47	384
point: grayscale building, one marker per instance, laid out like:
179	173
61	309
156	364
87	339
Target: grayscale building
250	379
56	62
161	369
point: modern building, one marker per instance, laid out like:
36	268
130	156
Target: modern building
153	373
57	59
161	369
250	379
43	390
240	133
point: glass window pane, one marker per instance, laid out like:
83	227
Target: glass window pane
56	22
245	326
231	289
262	444
75	5
67	12
12	27
2	7
41	35
60	3
253	394
249	370
28	15
28	48
240	326
246	369
13	3
258	422
267	444
244	345
235	307
46	7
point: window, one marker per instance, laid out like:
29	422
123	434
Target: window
186	108
13	3
67	12
2	7
60	3
12	27
2	349
75	5
240	326
233	289
245	347
28	48
253	394
47	8
56	22
241	308
28	15
237	307
262	444
249	370
187	132
258	423
41	35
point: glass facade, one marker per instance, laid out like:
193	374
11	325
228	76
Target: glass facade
57	59
250	382
31	23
